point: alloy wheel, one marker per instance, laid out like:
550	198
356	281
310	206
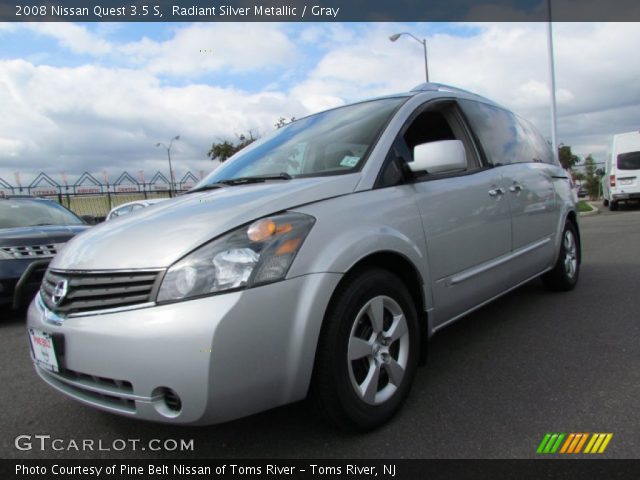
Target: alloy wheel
378	350
570	254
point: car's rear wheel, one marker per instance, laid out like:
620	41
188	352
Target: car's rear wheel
565	273
605	202
613	206
368	351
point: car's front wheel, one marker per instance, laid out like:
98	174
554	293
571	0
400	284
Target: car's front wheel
368	351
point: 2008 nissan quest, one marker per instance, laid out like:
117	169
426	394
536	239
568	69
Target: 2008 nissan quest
318	261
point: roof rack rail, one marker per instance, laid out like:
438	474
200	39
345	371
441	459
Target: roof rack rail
438	87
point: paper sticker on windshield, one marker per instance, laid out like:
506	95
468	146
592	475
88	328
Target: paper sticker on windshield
349	161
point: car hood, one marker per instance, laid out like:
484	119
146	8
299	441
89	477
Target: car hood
157	236
39	235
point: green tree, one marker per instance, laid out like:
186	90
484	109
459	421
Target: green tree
579	176
221	151
224	149
592	179
283	121
567	159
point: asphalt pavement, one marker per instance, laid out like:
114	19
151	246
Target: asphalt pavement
496	382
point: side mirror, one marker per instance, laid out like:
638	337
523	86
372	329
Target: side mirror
438	157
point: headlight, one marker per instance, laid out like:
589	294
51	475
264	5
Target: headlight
254	254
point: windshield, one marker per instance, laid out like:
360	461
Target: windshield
29	213
328	143
629	161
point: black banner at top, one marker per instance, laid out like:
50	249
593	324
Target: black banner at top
318	10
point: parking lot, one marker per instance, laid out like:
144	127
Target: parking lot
496	382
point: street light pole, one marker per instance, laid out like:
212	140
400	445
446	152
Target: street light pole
396	36
552	81
168	149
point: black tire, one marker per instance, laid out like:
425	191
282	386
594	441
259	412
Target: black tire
564	275
336	388
605	202
613	206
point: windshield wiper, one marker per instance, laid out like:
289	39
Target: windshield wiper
242	181
256	179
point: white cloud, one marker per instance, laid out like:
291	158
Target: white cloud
94	117
73	37
210	47
193	50
595	72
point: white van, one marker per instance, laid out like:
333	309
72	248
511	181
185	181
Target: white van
621	181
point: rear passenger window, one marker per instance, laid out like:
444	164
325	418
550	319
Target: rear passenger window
542	147
503	137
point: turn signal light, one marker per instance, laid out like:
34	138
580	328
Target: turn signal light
261	230
289	246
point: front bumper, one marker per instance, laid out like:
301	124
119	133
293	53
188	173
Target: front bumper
226	356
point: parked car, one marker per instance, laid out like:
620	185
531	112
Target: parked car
130	207
621	181
319	260
32	231
582	192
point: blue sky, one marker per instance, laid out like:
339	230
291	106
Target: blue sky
94	97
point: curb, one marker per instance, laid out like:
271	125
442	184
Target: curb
595	210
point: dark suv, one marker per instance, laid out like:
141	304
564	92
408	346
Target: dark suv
32	231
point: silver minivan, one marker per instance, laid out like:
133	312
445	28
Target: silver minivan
318	261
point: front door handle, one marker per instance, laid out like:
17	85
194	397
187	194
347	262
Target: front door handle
515	188
494	192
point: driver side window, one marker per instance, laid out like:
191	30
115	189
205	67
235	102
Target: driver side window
429	126
441	121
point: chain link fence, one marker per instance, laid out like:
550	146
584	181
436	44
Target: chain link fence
89	197
98	206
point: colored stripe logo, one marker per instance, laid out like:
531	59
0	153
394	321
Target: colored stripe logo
573	443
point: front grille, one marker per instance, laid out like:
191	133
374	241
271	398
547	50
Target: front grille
87	291
124	386
33	251
106	392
